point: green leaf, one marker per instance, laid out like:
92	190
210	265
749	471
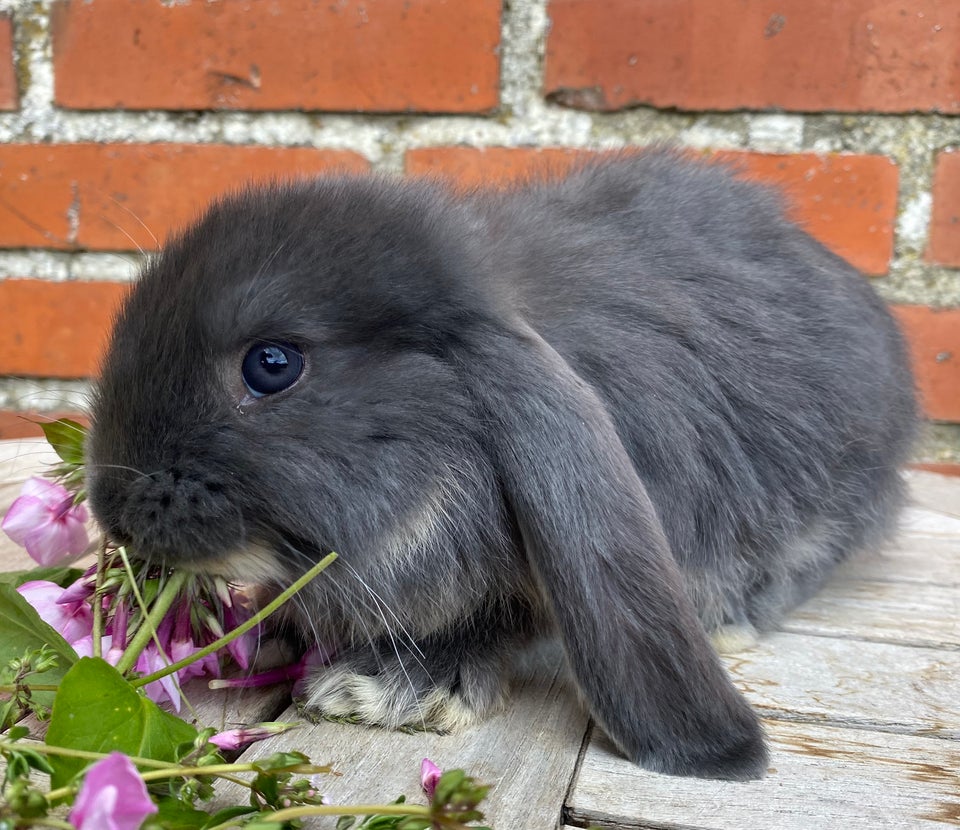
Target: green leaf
222	816
15	733
282	761
22	630
98	711
175	815
267	787
35	760
448	784
66	437
60	575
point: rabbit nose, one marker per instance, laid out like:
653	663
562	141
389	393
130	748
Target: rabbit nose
175	512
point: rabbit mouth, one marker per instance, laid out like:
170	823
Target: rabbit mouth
253	564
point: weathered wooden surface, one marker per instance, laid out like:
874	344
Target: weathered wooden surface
852	683
528	753
860	688
820	778
934	492
920	614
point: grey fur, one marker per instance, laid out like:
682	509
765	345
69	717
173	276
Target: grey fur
603	407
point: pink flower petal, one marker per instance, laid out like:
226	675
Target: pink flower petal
45	520
180	649
238	738
48	492
84	648
53	541
79	591
242	648
429	776
71	621
112	797
24	515
166	689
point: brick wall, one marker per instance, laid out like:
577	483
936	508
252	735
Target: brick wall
119	119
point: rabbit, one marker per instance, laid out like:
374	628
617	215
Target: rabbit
626	409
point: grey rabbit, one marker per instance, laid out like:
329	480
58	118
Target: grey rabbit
629	408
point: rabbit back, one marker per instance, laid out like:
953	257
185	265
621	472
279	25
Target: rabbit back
757	381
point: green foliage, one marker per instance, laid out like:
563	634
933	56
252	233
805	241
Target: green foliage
59	575
96	710
66	437
173	814
22	632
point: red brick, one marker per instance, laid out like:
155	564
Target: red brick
944	468
847	201
55	329
800	55
27	424
944	244
119	196
8	77
346	55
934	337
473	166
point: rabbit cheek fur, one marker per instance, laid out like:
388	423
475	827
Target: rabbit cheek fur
628	408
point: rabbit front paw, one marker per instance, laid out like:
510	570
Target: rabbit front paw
436	693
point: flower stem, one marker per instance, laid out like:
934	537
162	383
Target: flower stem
222	769
241	629
82	754
149	625
10	688
289	813
97	599
46	821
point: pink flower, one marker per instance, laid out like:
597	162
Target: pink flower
46	522
151	660
429	776
72	620
242	648
181	645
315	657
84	648
112	797
238	738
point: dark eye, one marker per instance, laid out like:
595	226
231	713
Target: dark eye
271	367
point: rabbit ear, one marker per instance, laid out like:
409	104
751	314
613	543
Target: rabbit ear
636	647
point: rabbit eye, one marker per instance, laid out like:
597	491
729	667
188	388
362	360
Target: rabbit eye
271	367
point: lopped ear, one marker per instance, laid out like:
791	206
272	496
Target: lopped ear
630	632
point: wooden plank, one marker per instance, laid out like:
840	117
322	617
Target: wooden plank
920	520
528	754
24	457
918	614
229	708
935	492
843	682
820	778
910	558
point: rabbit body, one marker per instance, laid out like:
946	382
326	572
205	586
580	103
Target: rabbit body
625	408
